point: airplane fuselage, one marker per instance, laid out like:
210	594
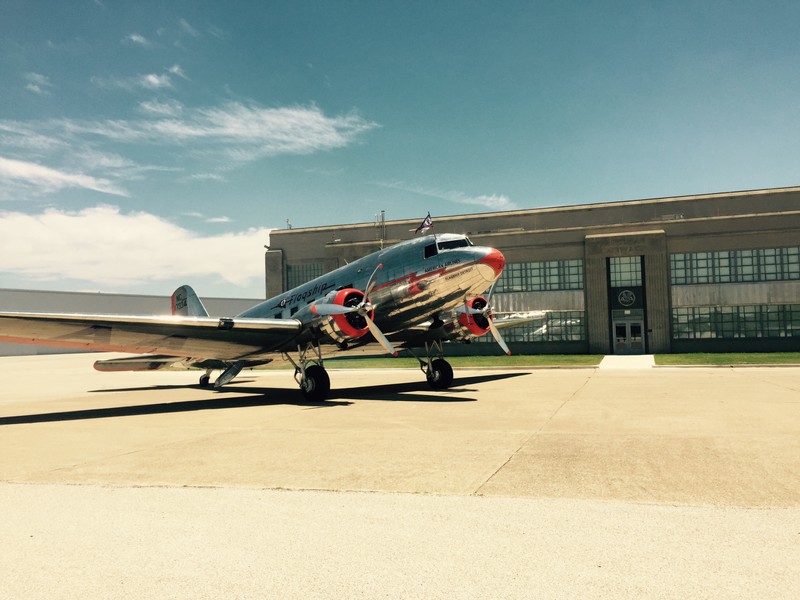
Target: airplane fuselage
419	279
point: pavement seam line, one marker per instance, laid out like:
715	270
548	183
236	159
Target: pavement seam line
477	491
772	383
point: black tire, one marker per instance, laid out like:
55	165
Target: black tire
316	384
205	380
440	374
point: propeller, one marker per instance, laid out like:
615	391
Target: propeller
488	313
363	308
498	338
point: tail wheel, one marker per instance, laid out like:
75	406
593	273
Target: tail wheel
439	374
316	384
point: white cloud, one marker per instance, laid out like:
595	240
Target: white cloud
147	81
38	79
139	40
112	165
154	81
161	108
218	33
38	84
206	177
106	248
177	70
241	132
41	179
207	141
490	201
197	215
187	28
24	137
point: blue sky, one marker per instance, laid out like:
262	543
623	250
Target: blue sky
148	144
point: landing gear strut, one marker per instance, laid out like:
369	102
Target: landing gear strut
231	371
438	371
310	375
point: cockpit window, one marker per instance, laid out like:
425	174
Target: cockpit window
460	243
430	250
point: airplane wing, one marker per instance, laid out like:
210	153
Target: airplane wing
448	330
225	339
519	318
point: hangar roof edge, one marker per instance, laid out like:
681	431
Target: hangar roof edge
547	209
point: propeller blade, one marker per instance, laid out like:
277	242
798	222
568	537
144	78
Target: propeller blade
489	296
332	309
371	281
378	335
498	338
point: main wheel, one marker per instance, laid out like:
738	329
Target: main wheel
439	374
205	380
316	384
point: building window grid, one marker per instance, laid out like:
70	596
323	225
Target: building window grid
735	266
746	266
554	326
542	276
726	322
536	277
297	275
722	266
625	271
769	264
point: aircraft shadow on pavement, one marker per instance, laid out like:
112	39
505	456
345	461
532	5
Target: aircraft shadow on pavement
248	397
163	408
405	391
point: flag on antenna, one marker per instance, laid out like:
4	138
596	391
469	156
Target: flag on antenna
425	225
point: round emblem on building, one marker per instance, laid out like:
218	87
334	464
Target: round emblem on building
626	297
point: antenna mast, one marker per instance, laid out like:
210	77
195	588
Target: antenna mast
380	226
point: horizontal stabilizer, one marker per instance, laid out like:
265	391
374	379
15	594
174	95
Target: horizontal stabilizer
186	303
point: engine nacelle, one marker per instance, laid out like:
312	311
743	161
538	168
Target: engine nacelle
472	325
348	326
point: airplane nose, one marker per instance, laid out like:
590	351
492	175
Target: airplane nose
496	260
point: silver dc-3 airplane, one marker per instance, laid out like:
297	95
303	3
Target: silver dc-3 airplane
412	296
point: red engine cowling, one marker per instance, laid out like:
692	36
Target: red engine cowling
349	326
474	325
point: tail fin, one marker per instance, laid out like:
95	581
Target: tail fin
186	303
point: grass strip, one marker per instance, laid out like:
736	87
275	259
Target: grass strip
729	358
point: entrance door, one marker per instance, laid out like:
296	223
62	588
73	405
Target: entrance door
628	337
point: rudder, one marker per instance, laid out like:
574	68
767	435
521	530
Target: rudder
186	303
